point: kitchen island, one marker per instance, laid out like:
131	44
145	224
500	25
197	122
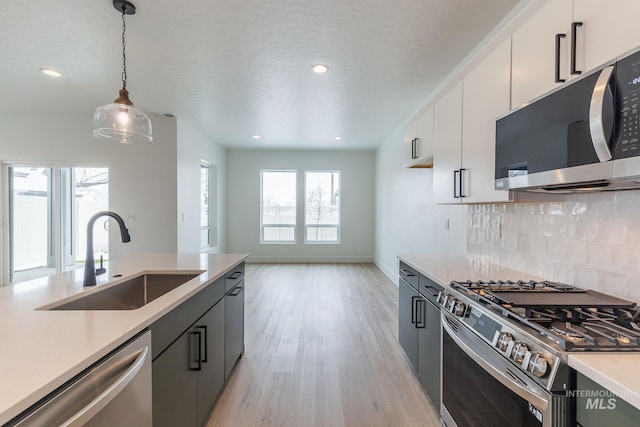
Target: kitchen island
614	370
43	349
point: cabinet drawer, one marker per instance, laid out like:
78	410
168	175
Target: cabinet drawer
409	274
170	326
234	276
430	289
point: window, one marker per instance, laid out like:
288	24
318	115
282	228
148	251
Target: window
278	206
322	206
49	208
204	206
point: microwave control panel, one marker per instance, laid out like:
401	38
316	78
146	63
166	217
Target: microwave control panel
628	77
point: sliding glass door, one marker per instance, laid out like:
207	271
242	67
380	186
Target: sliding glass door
49	208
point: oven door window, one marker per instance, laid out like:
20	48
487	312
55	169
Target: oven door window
475	399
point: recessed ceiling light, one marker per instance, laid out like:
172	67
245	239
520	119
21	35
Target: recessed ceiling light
337	138
256	137
320	68
50	72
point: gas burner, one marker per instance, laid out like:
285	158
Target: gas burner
568	331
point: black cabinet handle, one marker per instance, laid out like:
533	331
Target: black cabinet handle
574	30
407	272
235	291
235	275
558	38
422	323
455	184
204	328
431	290
462	194
414	311
198	334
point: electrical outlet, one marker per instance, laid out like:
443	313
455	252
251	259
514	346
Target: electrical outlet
132	218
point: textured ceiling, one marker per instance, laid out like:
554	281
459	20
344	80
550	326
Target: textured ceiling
234	69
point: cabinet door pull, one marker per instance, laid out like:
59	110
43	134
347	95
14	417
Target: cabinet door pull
431	290
558	38
198	335
204	328
456	175
235	275
235	291
574	30
414	311
406	272
461	191
422	323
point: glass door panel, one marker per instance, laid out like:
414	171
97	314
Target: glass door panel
31	231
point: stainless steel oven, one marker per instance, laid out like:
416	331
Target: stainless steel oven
481	388
505	346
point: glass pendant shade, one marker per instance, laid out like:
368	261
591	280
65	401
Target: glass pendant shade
122	123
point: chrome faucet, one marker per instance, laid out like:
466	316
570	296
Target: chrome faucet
89	263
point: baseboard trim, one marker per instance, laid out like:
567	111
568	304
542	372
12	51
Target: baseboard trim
310	260
392	275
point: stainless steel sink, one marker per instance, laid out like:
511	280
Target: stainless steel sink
128	295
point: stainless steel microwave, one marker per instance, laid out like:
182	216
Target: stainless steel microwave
583	136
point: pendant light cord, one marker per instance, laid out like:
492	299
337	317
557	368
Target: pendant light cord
124	52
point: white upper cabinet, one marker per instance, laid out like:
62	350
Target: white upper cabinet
609	28
485	96
566	38
538	65
465	132
418	141
447	147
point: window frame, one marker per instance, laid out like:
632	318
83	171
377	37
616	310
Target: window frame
294	240
339	204
207	227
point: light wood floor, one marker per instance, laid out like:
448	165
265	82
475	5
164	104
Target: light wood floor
321	349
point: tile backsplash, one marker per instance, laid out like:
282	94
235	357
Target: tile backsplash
587	240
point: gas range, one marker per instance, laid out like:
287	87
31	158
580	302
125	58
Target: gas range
576	319
535	324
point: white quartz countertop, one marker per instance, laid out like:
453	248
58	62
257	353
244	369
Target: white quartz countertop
43	349
616	371
443	270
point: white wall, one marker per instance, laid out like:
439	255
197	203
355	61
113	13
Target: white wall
407	220
142	177
357	204
192	149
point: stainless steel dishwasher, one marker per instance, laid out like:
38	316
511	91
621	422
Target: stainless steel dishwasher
116	391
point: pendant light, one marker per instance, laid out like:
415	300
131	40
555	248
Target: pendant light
121	121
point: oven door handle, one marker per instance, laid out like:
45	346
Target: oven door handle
529	395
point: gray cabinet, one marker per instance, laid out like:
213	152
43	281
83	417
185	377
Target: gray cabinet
234	327
408	332
211	376
419	328
174	384
192	346
429	341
